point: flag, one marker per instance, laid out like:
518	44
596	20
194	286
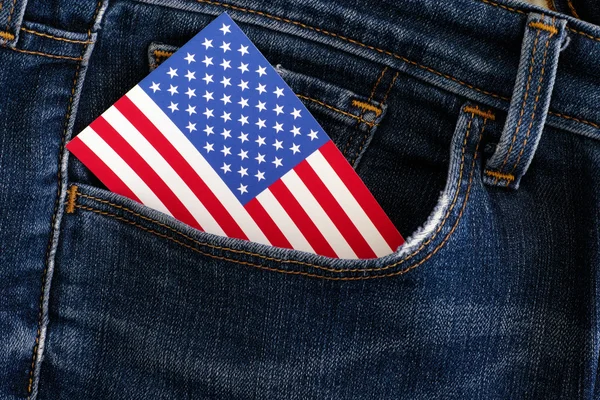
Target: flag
215	138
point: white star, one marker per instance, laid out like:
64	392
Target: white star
226	134
209	147
191	92
208	130
226	151
312	135
243	84
190	58
260	141
277	162
191	110
295	148
225	64
243	154
226	116
261	71
225	99
208	95
243	137
225	47
296	113
242	189
243	102
260	176
172	89
278	144
225	29
260	158
172	72
295	131
226	82
155	87
261	88
261	123
243	120
278	109
208	113
243	171
207	43
190	75
207	61
243	50
207	78
226	168
173	107
261	106
243	67
278	127
191	127
278	92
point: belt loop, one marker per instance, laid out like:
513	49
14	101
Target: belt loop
11	16
529	103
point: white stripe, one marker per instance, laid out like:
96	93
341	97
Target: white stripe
163	169
283	221
198	163
344	197
318	216
113	161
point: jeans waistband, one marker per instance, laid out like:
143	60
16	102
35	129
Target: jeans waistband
471	47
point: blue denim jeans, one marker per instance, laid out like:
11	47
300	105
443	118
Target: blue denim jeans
475	124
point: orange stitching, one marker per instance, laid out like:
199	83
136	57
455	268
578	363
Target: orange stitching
56	203
366	106
399	57
6	35
535	104
572	9
499	175
56	37
267	258
37	53
477	111
389	88
522	112
336	109
540	25
583	121
72	191
162	53
383	71
12	10
356	278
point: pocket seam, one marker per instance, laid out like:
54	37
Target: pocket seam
307	264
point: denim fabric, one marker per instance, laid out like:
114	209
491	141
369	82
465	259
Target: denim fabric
493	295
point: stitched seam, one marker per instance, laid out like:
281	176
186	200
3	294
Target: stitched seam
12	10
56	37
351	138
336	109
6	35
545	27
442	223
72	199
366	107
301	273
572	9
499	175
56	203
523	103
481	113
46	54
389	89
163	53
583	121
535	104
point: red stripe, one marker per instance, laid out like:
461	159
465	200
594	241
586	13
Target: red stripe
132	158
181	166
335	212
310	231
362	195
100	169
266	224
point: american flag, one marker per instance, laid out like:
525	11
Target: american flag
215	138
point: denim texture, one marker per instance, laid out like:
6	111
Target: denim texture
493	295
